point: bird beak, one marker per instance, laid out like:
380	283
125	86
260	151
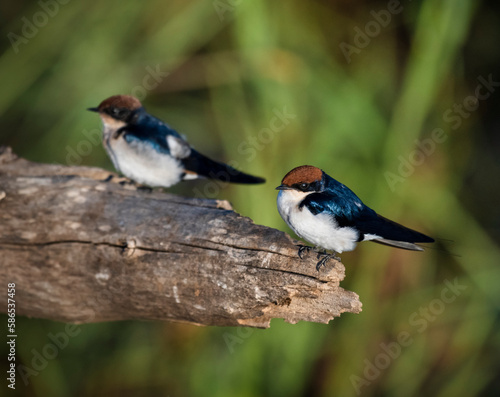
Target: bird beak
283	187
93	109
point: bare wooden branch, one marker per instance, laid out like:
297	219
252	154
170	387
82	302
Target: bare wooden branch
80	249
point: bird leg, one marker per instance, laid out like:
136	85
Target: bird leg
303	248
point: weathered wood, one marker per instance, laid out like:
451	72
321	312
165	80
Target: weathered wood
80	249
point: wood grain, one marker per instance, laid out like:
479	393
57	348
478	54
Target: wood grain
83	249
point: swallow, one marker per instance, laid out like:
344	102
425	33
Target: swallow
329	215
150	152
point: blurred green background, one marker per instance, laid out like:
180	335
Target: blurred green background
379	94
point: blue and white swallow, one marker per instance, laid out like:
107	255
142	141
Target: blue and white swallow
329	215
148	151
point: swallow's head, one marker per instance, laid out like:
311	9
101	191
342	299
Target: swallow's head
117	109
303	180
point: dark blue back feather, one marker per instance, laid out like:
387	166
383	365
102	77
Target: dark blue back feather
149	129
349	211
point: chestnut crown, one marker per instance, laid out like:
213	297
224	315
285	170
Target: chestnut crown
119	107
305	178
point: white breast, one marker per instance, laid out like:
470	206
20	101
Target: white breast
139	161
320	230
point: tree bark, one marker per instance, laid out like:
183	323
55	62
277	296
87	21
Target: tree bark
82	249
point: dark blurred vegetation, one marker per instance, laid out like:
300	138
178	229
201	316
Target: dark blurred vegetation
220	71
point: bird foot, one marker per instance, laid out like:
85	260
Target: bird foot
124	181
303	248
325	258
144	188
130	184
108	179
119	179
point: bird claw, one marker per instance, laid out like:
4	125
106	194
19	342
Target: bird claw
144	188
303	248
121	180
124	181
108	179
321	253
325	258
322	262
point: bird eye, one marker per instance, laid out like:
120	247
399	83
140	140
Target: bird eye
304	186
118	113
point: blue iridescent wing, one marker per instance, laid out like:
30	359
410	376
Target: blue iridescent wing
353	213
151	130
